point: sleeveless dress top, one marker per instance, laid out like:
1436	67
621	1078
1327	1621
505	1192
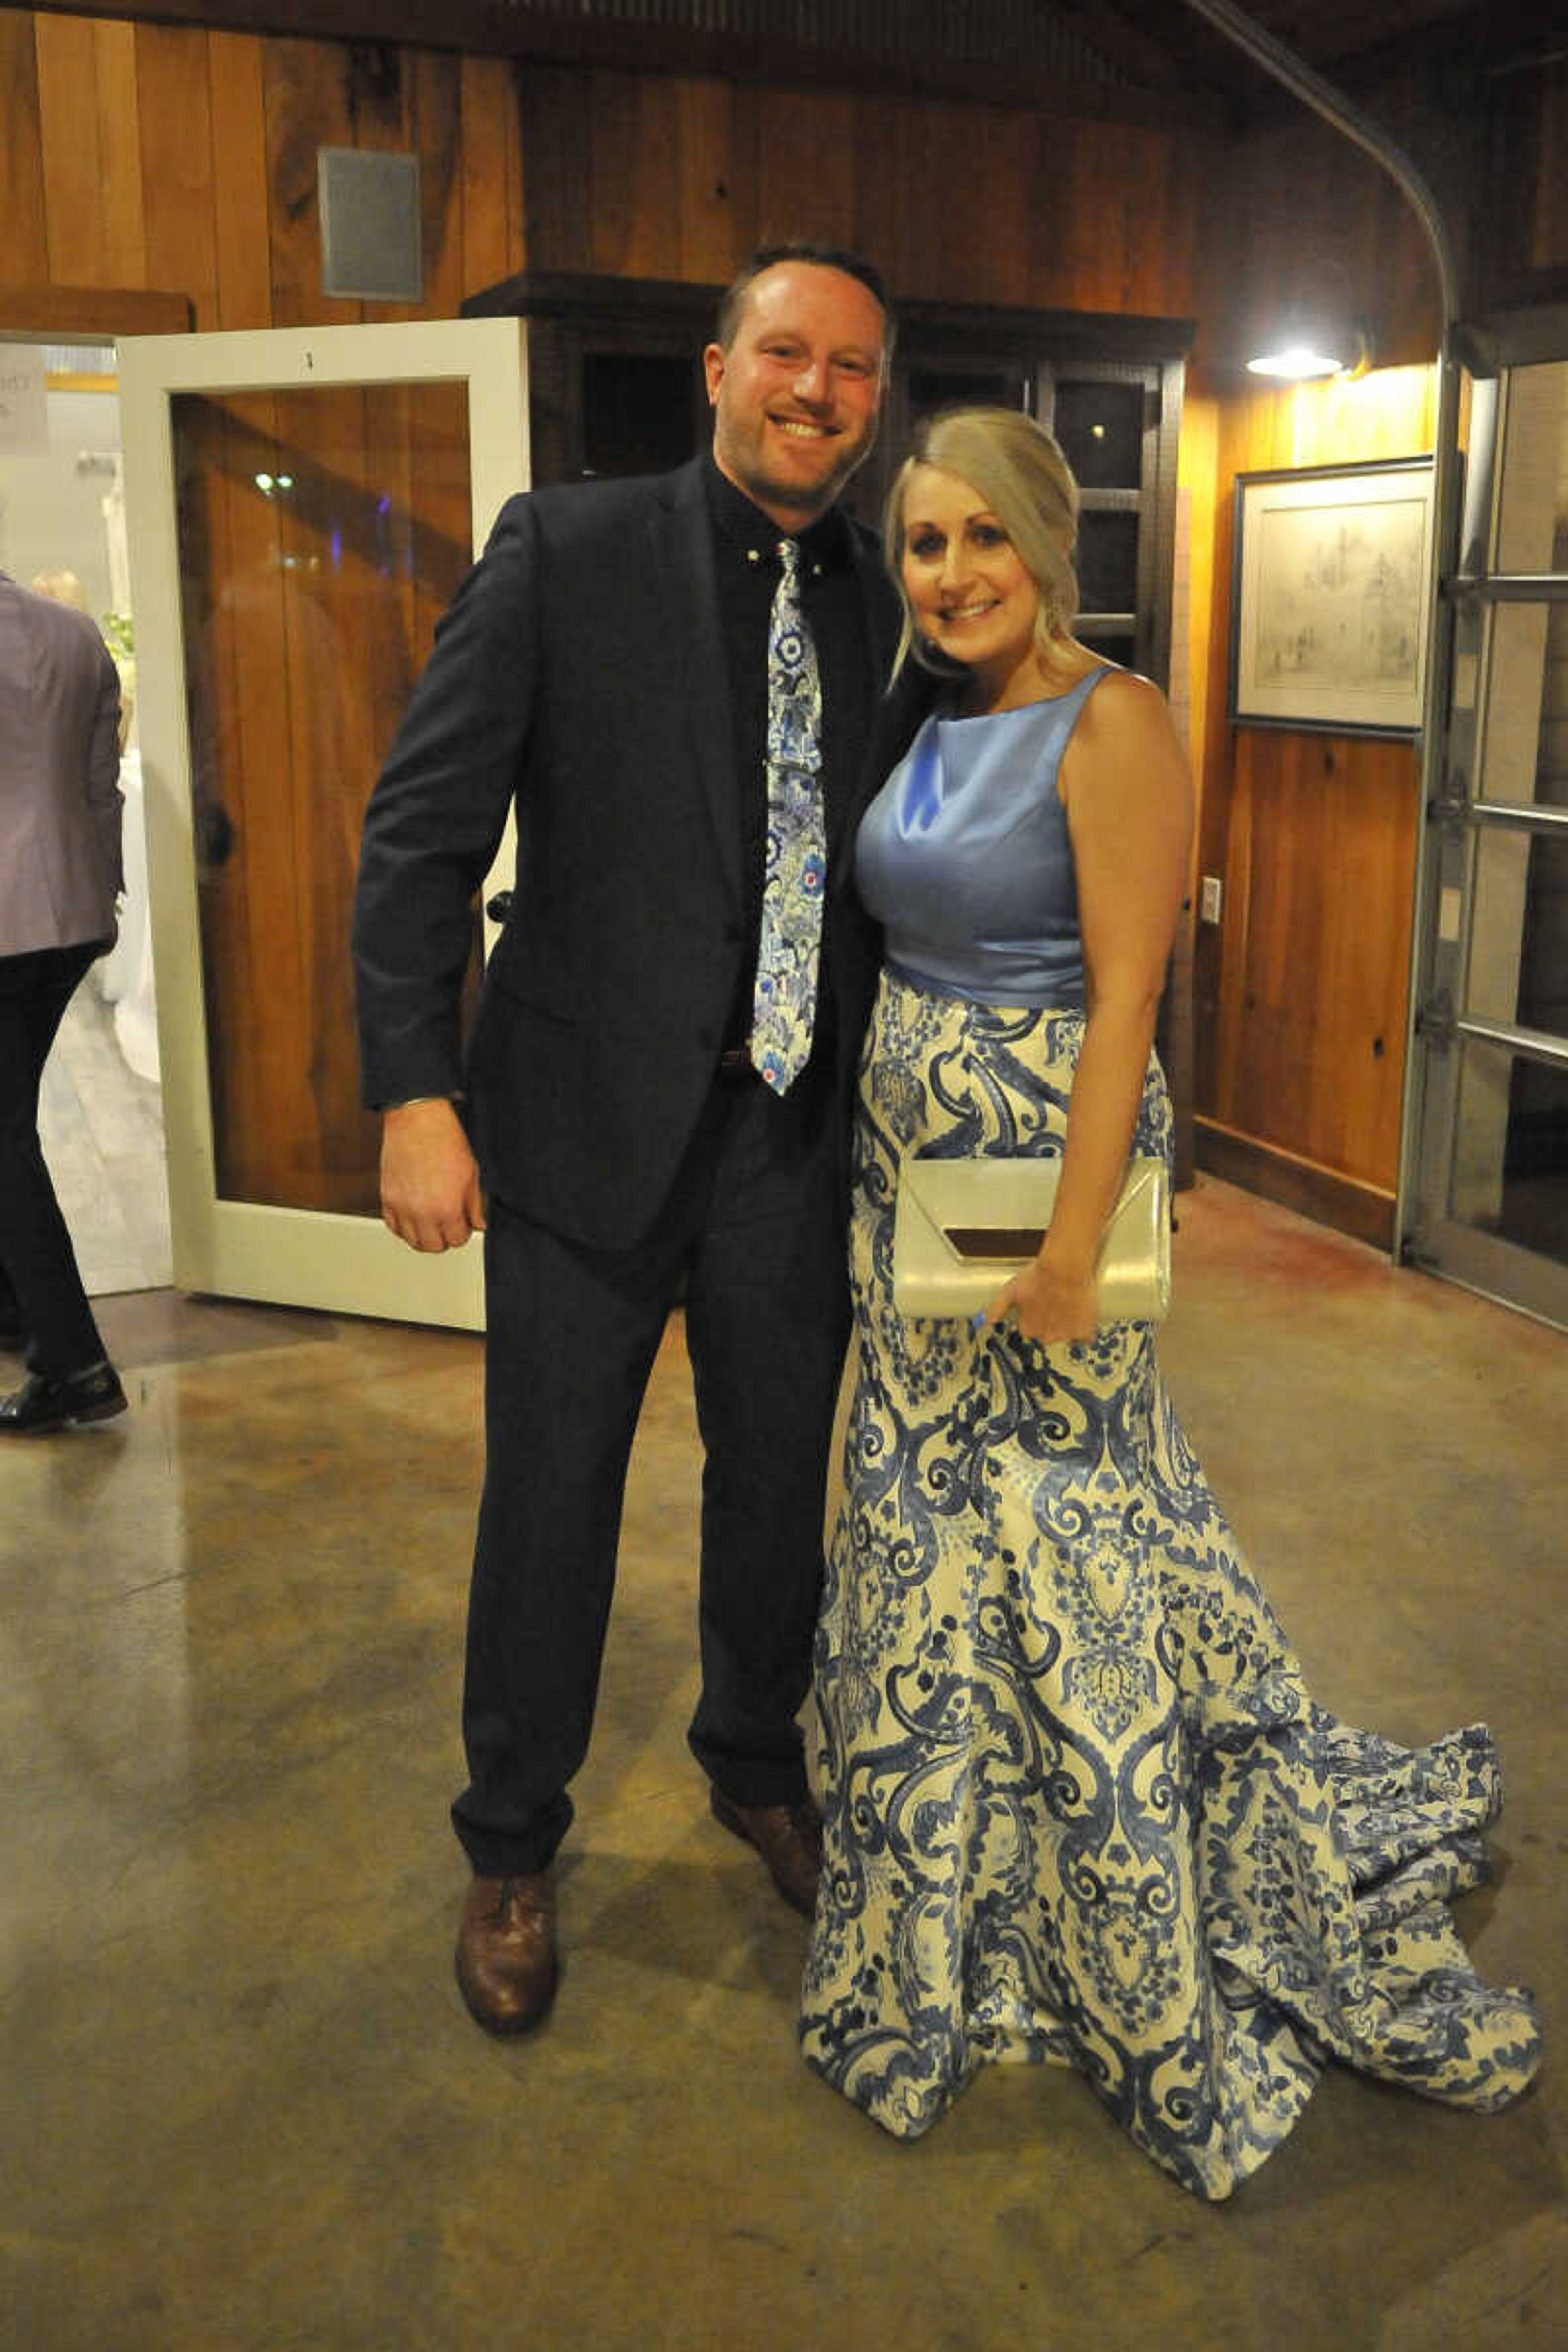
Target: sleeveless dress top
963	857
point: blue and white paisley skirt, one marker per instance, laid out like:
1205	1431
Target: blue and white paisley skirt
1079	1805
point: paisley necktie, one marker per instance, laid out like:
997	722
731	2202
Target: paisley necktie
796	873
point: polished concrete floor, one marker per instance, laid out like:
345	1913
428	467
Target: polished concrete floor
243	2107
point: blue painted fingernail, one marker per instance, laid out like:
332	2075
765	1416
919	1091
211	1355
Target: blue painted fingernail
977	1322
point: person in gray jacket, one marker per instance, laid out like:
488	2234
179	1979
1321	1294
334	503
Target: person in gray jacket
60	875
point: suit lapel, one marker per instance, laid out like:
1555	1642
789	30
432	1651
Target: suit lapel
693	650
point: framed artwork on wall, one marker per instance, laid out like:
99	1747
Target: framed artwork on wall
1331	585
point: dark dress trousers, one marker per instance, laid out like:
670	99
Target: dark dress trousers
60	872
581	676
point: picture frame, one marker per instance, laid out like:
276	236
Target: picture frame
1330	587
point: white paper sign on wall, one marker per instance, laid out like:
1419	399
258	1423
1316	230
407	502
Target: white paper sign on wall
24	406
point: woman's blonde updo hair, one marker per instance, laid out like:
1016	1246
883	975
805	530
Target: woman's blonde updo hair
1026	481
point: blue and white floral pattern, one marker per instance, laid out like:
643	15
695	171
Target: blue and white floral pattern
1079	1805
795	875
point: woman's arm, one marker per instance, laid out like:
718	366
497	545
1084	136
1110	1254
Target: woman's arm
1129	800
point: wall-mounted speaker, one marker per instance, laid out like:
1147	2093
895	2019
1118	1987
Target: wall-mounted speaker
370	226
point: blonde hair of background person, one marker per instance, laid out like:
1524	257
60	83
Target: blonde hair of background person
1026	482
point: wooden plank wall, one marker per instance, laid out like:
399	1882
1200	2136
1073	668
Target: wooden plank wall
153	155
650	175
1311	218
162	156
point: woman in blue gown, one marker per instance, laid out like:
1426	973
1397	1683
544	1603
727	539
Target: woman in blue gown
1077	1803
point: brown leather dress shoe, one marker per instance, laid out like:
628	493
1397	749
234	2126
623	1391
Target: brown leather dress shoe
507	1964
788	1838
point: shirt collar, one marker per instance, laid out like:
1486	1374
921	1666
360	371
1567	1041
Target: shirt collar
824	544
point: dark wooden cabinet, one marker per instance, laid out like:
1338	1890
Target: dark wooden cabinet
615	387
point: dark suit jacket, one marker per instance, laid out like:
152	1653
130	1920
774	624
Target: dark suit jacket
580	673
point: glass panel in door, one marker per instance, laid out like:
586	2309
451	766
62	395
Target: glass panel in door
1510	1150
1524	736
1533	508
322	531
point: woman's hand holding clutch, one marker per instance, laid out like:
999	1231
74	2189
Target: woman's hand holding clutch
1050	1303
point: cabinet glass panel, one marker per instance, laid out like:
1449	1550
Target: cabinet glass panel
1533	500
1524	732
1100	429
1117	645
1518	969
1107	561
1510	1150
637	412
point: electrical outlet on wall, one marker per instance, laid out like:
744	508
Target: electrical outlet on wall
1209	899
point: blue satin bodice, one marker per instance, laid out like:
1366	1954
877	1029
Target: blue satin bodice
963	857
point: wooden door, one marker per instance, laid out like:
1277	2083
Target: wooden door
301	504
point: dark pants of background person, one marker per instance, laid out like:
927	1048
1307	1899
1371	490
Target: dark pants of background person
754	1227
40	1288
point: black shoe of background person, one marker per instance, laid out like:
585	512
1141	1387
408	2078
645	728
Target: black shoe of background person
41	1404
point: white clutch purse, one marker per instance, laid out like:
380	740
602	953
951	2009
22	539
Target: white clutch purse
962	1228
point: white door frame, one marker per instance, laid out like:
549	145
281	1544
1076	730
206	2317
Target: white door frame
238	1249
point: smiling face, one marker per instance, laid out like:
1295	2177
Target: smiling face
971	594
796	396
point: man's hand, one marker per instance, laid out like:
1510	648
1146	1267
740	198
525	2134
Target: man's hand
429	1179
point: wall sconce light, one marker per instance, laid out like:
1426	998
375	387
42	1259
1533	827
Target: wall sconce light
1315	332
1302	353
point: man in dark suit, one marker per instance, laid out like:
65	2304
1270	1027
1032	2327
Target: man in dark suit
612	668
60	875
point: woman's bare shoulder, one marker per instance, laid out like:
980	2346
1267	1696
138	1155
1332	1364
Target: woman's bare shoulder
1125	698
1125	713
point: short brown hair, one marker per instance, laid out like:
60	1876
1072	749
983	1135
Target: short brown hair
733	303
